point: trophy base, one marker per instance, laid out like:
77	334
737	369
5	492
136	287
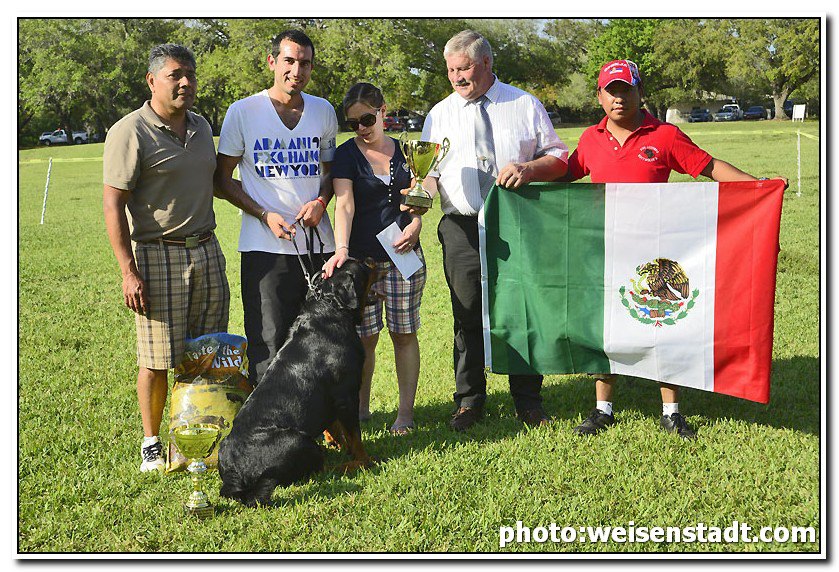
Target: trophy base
200	512
418	201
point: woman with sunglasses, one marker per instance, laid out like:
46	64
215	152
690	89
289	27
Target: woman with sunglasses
368	173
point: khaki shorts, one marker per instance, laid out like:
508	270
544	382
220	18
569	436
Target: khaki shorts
188	295
399	297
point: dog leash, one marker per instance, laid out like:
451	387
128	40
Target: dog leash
311	277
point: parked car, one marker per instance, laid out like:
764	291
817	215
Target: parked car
393	123
415	123
60	136
700	115
556	120
724	115
729	112
755	112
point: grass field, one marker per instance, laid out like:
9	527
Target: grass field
438	491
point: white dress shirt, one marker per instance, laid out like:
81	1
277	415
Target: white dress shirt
521	131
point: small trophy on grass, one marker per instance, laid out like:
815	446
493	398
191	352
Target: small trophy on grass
196	442
422	157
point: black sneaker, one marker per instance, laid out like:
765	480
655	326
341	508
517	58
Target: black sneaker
152	458
596	422
676	423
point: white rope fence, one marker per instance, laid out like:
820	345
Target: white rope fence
49	170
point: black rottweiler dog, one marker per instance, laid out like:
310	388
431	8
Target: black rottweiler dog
311	386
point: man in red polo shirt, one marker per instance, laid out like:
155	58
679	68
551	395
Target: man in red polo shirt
631	146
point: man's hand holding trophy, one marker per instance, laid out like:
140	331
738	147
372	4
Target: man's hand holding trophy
422	157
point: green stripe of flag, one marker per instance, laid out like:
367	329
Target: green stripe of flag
544	262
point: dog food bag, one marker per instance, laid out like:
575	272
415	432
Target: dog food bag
211	384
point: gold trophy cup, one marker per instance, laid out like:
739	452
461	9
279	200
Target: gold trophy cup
422	157
196	442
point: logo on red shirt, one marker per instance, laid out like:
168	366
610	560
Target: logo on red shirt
648	154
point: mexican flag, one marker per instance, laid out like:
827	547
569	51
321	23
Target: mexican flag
673	282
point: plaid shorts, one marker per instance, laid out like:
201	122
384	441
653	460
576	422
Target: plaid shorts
400	297
189	297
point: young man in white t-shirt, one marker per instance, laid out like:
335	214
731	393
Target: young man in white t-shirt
283	141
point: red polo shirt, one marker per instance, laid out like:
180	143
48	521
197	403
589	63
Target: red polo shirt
647	156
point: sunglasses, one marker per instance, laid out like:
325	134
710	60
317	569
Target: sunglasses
367	120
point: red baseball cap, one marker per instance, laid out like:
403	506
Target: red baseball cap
619	70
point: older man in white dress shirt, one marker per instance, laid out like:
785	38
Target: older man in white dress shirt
498	134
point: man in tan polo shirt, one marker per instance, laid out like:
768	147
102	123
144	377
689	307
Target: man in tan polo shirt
159	162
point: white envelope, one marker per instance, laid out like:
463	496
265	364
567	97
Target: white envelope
407	263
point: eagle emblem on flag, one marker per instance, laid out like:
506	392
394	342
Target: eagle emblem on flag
661	294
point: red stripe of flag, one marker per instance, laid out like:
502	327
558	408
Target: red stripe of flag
748	223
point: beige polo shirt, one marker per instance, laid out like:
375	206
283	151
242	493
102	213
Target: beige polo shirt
170	183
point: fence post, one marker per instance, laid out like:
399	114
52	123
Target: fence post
46	192
799	164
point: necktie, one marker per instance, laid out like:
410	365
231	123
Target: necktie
484	147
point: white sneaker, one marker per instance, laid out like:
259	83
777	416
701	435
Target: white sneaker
152	458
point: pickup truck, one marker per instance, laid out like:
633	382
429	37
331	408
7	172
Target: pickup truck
729	112
60	136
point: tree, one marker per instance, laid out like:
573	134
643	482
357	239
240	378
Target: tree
91	71
572	37
392	54
777	55
523	56
231	59
694	55
117	60
745	58
86	72
377	51
48	82
570	91
632	39
403	57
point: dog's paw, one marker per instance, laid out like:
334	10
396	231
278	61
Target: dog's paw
355	465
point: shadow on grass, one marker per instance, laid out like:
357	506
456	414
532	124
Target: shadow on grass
794	401
794	398
327	484
433	432
794	404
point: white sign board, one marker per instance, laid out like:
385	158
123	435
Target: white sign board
798	112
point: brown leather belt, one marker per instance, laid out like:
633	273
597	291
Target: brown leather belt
187	241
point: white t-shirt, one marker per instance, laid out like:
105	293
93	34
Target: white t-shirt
280	167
